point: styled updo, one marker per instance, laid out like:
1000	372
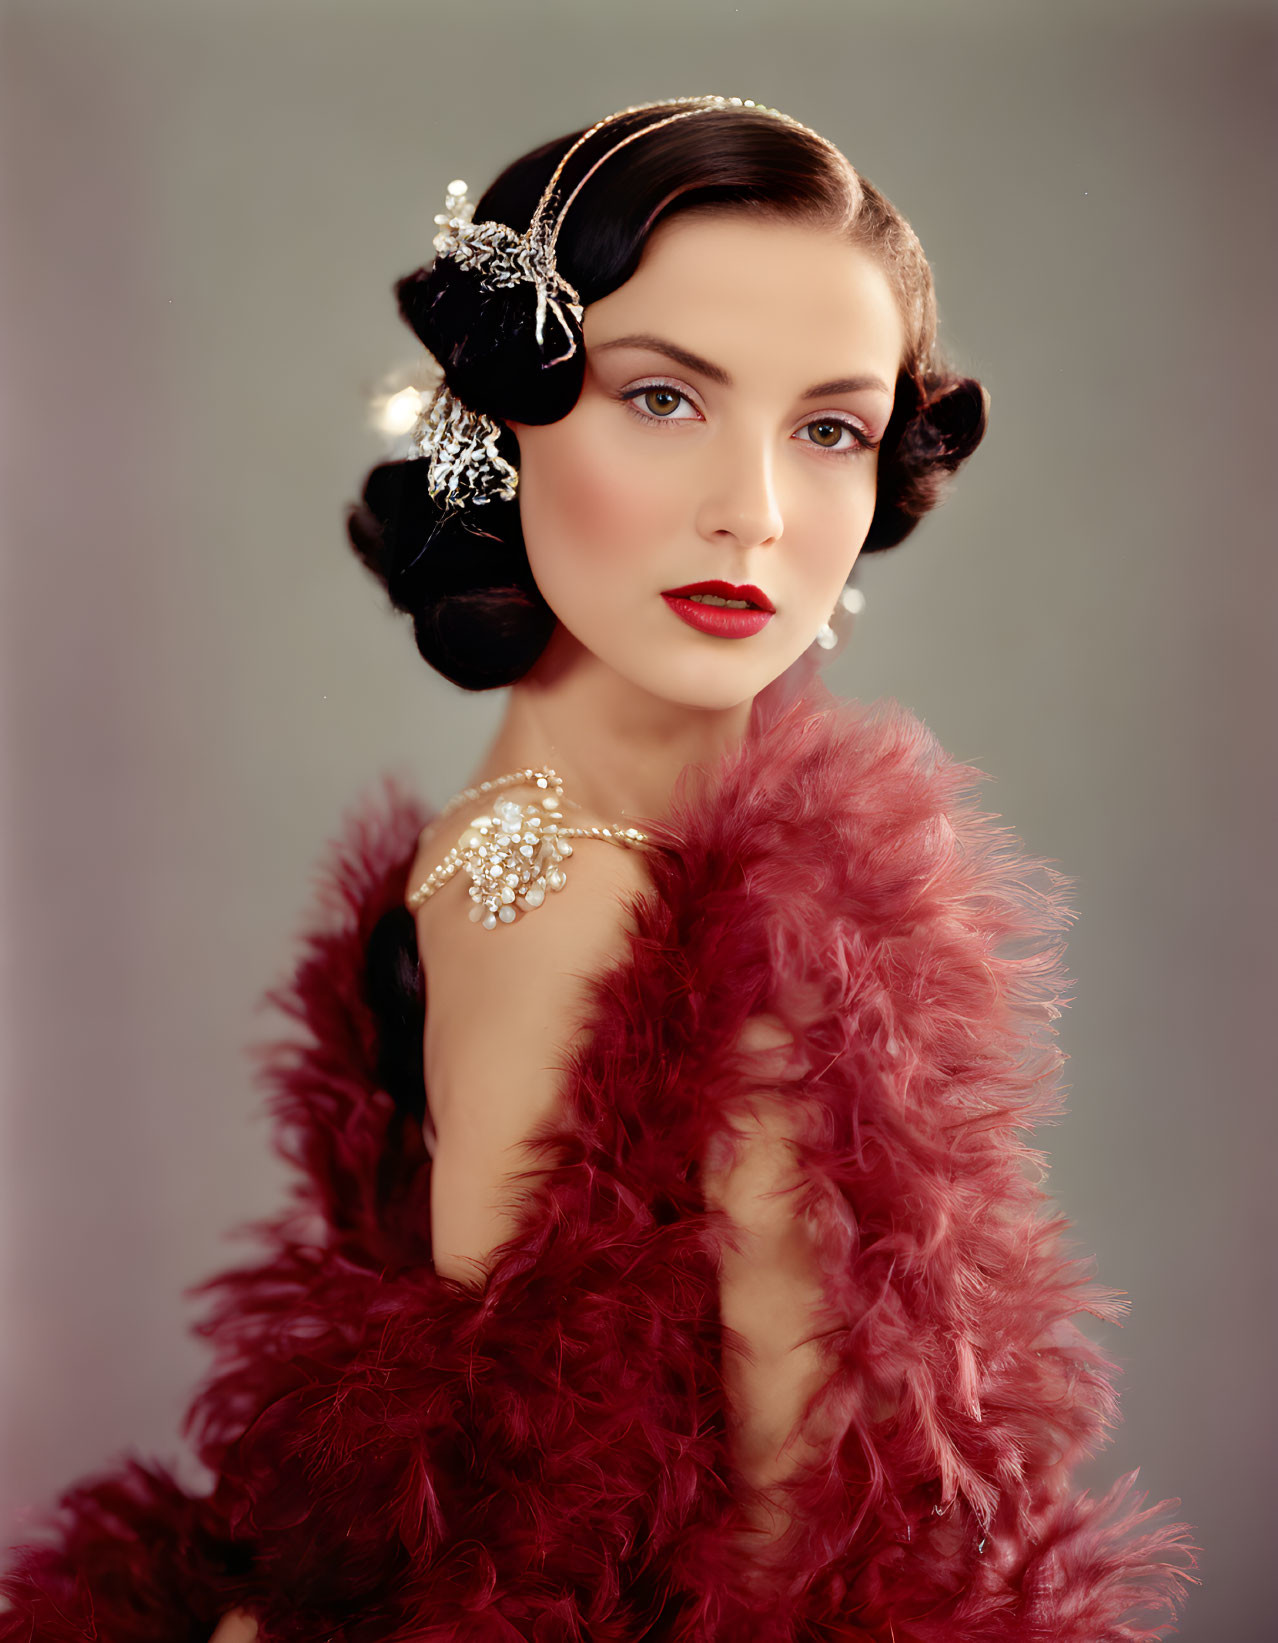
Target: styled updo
463	576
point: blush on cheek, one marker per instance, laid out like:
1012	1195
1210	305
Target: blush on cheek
613	498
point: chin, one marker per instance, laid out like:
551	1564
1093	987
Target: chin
706	683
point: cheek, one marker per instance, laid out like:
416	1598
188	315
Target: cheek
855	512
610	497
828	530
583	501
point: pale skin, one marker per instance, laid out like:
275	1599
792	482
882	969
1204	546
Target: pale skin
757	484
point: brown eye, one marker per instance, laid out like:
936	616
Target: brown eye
826	431
660	400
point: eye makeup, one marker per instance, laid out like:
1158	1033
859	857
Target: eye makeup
861	441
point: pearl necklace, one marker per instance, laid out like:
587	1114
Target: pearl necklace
514	852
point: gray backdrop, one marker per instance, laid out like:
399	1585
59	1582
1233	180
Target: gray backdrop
206	206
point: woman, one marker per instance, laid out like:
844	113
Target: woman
666	1264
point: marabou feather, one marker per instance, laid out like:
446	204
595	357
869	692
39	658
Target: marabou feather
401	1457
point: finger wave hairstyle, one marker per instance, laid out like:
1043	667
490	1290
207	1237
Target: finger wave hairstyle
463	576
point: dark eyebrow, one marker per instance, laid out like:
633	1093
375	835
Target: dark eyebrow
694	362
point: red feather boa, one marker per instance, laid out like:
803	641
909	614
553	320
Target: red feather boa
400	1457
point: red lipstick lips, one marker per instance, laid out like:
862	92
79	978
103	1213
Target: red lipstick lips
725	590
724	621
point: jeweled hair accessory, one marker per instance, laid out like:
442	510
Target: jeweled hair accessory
461	446
501	256
497	373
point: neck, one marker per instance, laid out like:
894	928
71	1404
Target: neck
618	748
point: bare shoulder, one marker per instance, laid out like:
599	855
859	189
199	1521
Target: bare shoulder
505	1009
506	1006
576	930
236	1627
577	924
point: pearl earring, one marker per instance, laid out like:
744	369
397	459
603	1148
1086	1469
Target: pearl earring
850	599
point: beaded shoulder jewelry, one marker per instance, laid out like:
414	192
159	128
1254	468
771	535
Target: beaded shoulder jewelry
514	853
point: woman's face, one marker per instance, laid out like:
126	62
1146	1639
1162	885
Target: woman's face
737	387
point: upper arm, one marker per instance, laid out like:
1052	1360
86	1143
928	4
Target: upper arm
505	1005
505	1008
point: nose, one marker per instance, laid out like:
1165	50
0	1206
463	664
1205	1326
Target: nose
740	504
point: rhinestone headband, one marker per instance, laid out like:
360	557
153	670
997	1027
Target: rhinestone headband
461	443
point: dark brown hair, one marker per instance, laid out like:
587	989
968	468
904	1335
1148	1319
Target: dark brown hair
478	616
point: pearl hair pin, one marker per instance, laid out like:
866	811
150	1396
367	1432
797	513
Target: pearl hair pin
514	853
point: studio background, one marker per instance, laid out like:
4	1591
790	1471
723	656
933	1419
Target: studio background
205	208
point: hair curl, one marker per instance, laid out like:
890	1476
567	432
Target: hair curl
464	577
